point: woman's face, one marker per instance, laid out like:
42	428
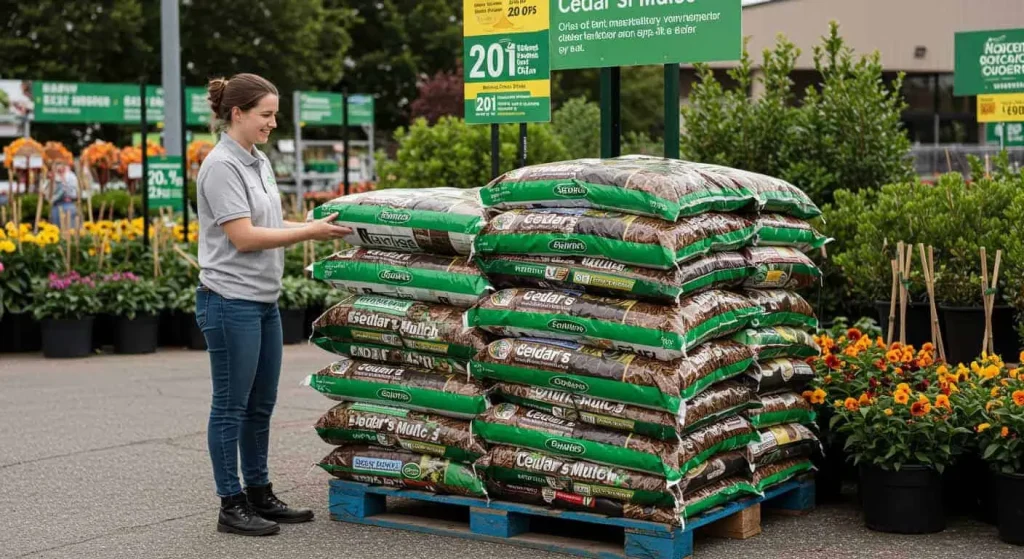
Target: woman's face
256	124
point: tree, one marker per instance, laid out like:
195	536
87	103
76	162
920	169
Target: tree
441	95
396	44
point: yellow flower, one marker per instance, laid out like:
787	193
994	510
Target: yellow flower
819	396
942	370
989	372
994	393
923	399
888	411
864	400
7	246
893	356
1013	373
903	387
953	388
975	366
838	403
1021	357
991	404
942	401
983	427
901	397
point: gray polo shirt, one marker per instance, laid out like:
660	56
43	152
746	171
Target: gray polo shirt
232	184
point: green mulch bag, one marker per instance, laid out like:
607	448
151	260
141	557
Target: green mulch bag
780	268
720	466
599	276
400	468
611	375
385	321
415	389
664	332
449	280
440	220
387	426
778	196
512	425
718	493
785	374
592	411
699	446
524	466
394	355
566	500
773	474
781	443
629	239
714	404
636	184
779	341
777	409
787	231
782	308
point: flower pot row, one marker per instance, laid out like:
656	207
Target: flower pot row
910	501
68	338
962	329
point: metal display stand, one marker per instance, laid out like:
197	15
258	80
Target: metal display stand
316	179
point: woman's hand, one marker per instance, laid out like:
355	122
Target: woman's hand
324	230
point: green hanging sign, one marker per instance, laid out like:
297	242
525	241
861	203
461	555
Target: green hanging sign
164	181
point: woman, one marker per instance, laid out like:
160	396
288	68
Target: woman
241	238
63	194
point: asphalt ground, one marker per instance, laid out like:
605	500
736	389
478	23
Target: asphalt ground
105	458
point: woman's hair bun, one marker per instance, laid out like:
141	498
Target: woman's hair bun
216	94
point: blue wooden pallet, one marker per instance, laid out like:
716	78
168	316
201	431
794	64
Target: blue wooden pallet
509	523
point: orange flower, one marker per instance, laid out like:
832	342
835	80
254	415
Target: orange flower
833	362
1018	397
942	401
851	404
818	397
807	395
903	387
923	399
852	351
864	400
880	342
920	408
928	347
898	371
1004	432
1021	357
1013	373
994	393
901	397
827	379
854	334
893	356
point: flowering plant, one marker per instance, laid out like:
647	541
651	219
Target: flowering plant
900	428
994	410
70	296
127	295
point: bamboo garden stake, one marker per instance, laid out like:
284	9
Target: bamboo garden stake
892	301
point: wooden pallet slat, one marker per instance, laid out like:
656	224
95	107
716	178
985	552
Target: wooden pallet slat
510	523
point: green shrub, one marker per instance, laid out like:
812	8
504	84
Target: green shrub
578	124
846	133
453	153
119	200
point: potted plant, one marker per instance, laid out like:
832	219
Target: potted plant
902	436
66	306
25	256
185	304
999	437
296	294
136	303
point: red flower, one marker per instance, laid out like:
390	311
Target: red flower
833	362
880	364
873	383
945	389
853	334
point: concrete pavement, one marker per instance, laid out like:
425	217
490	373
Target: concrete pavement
105	458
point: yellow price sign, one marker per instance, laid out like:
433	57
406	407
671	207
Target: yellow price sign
1008	107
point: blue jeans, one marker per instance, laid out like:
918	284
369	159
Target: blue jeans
68	208
245	346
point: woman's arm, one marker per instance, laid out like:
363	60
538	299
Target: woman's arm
248	238
293	224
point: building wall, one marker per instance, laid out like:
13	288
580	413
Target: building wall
893	27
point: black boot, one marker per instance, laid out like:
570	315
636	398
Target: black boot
238	517
266	504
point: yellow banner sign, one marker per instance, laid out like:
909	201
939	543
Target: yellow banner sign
1001	108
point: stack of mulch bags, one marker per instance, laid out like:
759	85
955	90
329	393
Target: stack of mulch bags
401	376
627	365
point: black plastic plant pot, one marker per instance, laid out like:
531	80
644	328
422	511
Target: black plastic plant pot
104	331
966	329
170	329
137	335
1010	507
19	333
67	338
292	325
1004	333
905	502
919	322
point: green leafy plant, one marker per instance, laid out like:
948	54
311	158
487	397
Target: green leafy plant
70	297
999	435
299	293
577	123
119	200
453	153
128	296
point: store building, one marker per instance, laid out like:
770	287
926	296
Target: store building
915	37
